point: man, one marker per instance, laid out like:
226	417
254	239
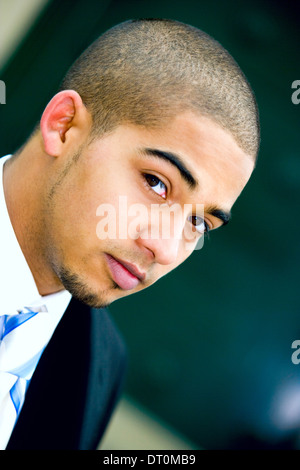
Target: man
154	113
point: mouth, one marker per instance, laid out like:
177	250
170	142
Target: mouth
126	275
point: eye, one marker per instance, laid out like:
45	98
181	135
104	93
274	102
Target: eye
156	185
199	223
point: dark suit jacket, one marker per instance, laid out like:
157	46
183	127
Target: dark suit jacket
75	386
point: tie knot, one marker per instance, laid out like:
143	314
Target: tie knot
21	344
9	322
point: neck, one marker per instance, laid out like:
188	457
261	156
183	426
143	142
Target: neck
24	188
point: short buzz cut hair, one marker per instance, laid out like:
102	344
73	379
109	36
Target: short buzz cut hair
146	71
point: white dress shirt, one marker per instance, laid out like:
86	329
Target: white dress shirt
18	288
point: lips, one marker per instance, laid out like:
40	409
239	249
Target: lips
126	275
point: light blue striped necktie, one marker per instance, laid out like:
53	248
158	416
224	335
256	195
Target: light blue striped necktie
19	355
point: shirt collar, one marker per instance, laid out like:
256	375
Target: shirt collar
17	285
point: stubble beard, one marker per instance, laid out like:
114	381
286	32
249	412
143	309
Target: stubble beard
81	291
71	281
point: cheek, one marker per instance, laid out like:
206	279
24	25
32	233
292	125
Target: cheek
73	220
90	201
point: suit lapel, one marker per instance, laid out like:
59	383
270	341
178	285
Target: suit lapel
51	417
76	384
108	362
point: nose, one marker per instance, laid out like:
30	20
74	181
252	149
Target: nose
162	235
164	251
159	232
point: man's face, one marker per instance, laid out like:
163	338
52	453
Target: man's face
189	162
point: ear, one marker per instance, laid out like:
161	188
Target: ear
64	112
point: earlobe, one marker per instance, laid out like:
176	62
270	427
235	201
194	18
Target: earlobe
58	117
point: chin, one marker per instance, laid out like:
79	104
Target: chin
82	290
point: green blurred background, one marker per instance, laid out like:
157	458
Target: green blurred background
210	344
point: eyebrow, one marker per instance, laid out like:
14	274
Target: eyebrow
224	216
176	161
